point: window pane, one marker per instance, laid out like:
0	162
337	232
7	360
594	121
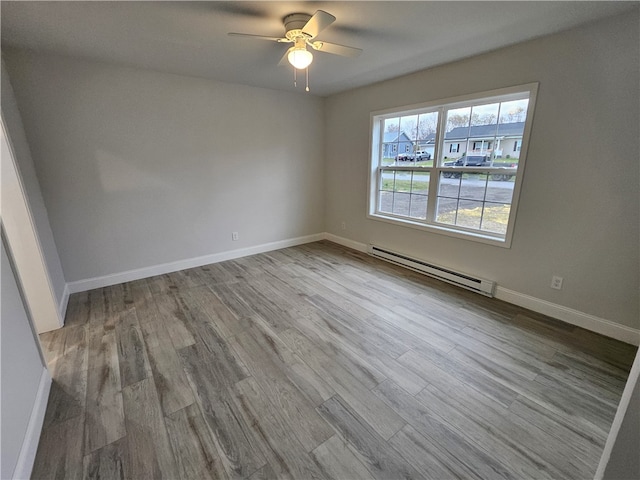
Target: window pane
500	188
456	134
450	184
389	152
469	214
403	182
495	218
447	210
419	199
401	203
386	202
420	182
418	207
473	186
391	125
388	180
426	141
485	115
482	133
510	131
390	139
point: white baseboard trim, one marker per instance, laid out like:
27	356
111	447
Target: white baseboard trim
345	242
574	317
27	455
137	274
64	301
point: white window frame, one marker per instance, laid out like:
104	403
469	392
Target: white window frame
375	166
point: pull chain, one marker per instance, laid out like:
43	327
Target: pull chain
295	77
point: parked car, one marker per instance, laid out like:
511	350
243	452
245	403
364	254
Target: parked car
405	157
411	157
470	161
477	161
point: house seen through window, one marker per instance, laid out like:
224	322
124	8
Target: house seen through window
461	167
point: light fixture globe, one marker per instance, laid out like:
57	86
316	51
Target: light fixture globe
300	57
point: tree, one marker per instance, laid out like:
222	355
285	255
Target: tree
457	120
515	115
426	127
488	119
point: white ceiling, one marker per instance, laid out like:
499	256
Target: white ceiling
190	38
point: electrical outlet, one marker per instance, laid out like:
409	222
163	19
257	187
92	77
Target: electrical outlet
343	225
556	282
234	236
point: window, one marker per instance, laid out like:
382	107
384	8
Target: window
465	188
482	146
517	145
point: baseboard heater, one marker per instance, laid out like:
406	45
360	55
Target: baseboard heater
478	285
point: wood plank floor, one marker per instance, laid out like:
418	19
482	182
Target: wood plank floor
320	362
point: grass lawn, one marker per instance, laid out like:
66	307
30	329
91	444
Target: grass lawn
402	185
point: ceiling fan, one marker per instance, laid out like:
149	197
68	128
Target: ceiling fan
301	29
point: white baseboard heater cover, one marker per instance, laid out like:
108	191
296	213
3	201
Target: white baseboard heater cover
478	285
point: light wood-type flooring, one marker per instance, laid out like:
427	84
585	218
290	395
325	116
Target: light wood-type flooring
320	362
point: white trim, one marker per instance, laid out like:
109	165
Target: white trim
27	455
569	315
623	406
42	313
64	301
146	272
345	242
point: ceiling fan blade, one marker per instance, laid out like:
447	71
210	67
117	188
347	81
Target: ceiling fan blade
336	49
284	60
257	37
318	22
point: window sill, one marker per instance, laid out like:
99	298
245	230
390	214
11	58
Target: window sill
443	230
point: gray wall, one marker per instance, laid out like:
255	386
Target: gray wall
140	168
13	123
579	207
22	368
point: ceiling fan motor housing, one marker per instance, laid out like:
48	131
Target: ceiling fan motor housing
293	25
